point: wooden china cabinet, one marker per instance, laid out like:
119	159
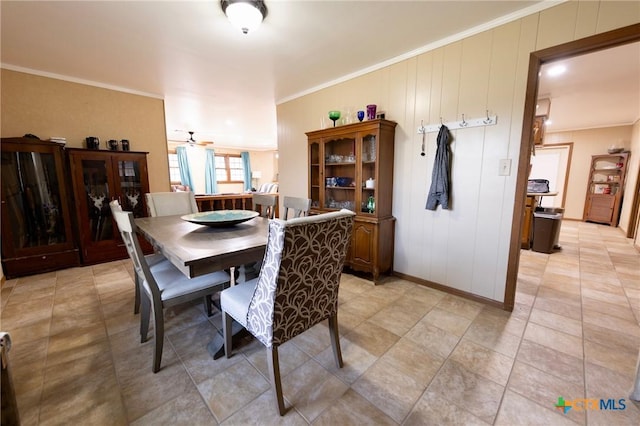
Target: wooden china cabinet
351	167
37	233
99	177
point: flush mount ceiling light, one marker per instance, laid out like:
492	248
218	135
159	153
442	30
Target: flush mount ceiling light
244	14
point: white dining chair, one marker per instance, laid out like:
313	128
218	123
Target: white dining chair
163	287
296	289
295	207
171	203
265	204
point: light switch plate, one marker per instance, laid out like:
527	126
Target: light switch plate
505	167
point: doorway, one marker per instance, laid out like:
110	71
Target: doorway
591	44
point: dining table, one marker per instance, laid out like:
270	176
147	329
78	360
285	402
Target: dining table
200	249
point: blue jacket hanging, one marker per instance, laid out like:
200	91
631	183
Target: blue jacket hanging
439	192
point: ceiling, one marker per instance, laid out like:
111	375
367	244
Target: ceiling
224	85
599	89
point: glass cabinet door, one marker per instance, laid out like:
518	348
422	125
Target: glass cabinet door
131	187
340	173
368	173
314	173
96	178
31	193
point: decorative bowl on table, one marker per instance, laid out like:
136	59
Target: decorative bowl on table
343	181
220	218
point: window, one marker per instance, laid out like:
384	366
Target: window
229	168
174	169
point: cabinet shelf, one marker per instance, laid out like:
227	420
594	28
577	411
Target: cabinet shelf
603	207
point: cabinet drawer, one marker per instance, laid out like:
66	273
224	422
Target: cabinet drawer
29	265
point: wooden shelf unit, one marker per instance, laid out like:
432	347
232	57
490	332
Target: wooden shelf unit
605	188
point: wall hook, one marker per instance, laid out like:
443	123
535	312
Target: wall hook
488	119
463	123
424	132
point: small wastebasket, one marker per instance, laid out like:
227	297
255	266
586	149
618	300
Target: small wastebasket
546	229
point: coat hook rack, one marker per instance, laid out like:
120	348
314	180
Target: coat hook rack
464	124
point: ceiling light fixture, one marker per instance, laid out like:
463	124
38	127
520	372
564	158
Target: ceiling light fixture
244	14
556	70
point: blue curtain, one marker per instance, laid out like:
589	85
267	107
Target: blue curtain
210	181
183	163
246	164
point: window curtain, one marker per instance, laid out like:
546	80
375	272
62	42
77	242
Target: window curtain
246	165
183	164
210	181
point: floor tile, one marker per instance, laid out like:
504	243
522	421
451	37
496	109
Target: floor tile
433	410
389	389
352	409
311	389
469	391
232	389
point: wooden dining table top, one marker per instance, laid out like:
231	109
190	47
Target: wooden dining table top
198	249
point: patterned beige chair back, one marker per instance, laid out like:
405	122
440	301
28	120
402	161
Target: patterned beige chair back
298	283
171	203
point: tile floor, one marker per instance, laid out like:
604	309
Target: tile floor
412	355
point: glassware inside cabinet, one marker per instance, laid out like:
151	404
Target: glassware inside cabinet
131	187
369	151
96	186
340	173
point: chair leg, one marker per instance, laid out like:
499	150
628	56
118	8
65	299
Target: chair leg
145	304
335	339
227	321
158	335
208	304
274	372
136	303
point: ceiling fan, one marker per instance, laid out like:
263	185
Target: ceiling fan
191	141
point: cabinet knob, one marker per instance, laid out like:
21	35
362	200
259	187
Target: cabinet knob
44	257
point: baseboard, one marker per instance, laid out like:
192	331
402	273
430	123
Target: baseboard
454	291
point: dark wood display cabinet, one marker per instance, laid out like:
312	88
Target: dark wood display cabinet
99	177
605	188
351	167
37	234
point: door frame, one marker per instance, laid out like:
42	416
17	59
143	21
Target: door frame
617	37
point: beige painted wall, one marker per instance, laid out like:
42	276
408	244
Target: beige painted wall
585	144
48	107
467	247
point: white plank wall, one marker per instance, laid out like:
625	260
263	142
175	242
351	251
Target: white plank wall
466	247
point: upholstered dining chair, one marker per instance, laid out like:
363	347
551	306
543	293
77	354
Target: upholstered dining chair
295	207
265	204
171	203
154	260
163	287
297	287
